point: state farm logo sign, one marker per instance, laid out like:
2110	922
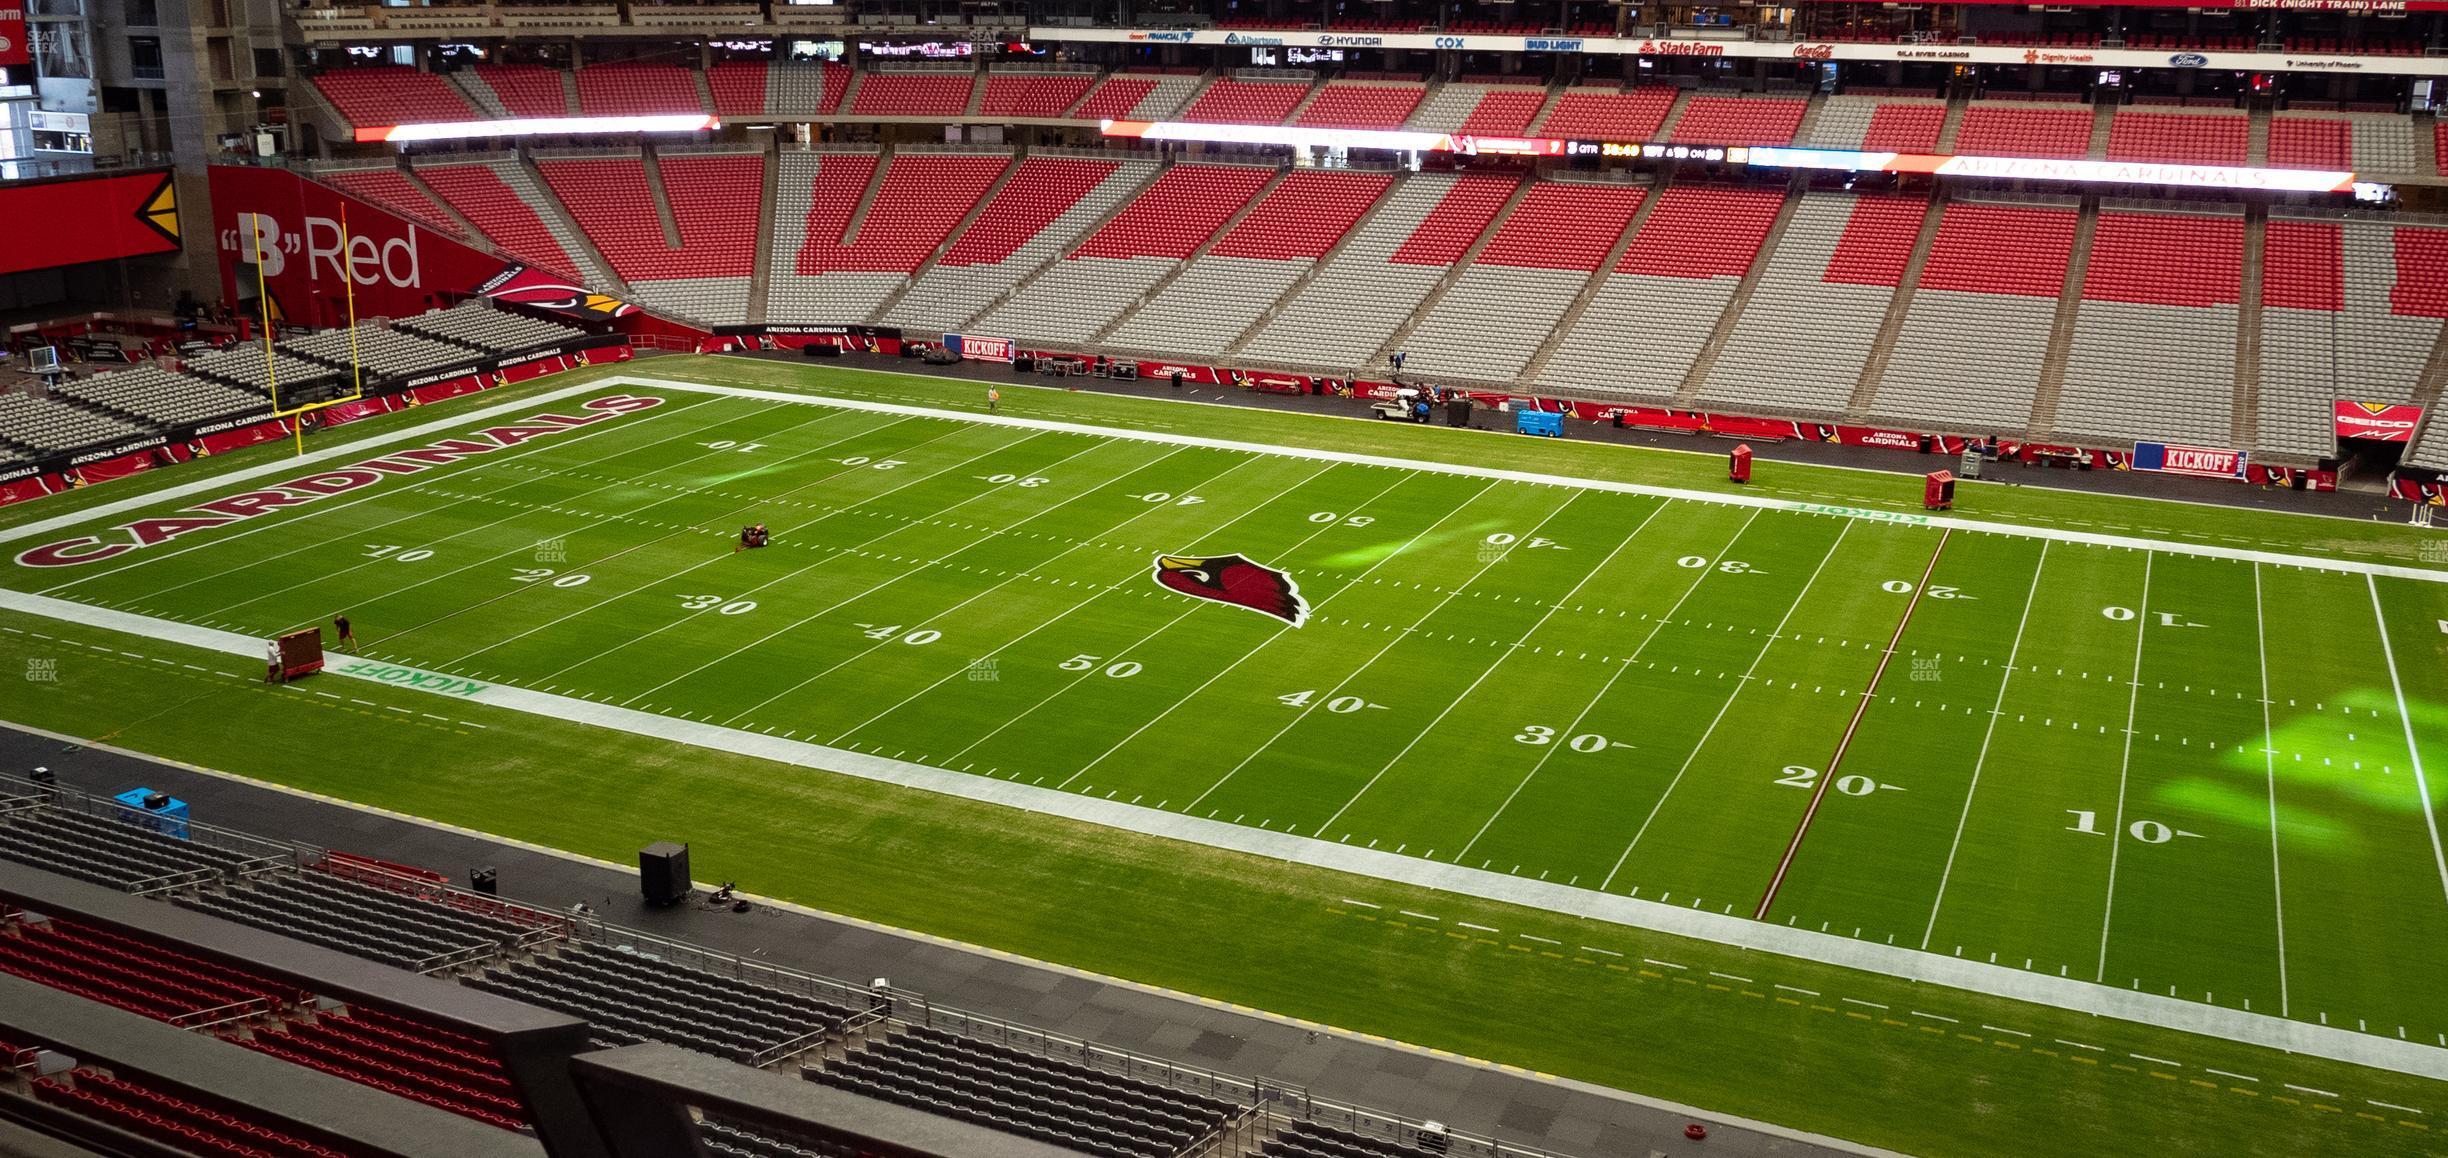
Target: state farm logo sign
261	237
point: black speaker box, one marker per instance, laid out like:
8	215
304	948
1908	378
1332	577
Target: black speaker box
1024	364
663	873
821	350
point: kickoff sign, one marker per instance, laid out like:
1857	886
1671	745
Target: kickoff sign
973	348
2198	461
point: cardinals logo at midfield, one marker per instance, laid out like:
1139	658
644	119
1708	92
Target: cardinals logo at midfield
1235	580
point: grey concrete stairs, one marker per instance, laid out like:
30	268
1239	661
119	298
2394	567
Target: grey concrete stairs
760	280
1706	360
951	238
1899	307
1589	289
1453	273
2061	332
2245	423
1174	273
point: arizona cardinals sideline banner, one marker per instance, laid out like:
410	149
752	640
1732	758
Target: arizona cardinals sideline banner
2378	421
2193	460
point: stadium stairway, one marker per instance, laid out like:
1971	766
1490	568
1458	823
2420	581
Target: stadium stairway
1063	245
867	197
2245	419
1156	290
950	238
467	228
1453	274
2103	116
527	181
661	200
760	275
1310	274
1600	274
1674	115
2061	334
1706	359
1947	132
2256	141
1899	306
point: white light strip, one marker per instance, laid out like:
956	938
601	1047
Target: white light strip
2150	173
1294	135
540	127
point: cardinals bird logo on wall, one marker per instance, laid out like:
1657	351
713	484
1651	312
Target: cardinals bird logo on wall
1234	580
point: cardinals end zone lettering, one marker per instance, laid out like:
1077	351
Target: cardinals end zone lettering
1234	580
324	484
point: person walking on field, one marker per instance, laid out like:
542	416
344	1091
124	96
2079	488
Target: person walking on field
994	399
272	661
348	638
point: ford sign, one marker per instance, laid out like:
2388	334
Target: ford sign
2188	60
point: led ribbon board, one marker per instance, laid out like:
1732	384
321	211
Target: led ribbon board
2237	178
538	127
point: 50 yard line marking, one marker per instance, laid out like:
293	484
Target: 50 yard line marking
1860	709
2421	785
1996	711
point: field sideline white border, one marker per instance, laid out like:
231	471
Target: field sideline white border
1910	964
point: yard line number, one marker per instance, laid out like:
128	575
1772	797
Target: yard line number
891	631
1165	497
872	463
542	574
2146	831
1340	519
736	447
1017	480
717	604
1538	735
393	552
2166	618
1935	591
1851	784
1340	705
1121	670
1726	566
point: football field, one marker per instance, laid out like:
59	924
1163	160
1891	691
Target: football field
2178	770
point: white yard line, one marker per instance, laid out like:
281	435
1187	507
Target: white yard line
2259	1029
353	448
493	495
1728	706
390	486
532	508
712	560
1067	612
1501	657
2269	770
1574	728
1996	711
991	533
1736	500
1345	682
2133	702
1134	646
1277	634
2422	786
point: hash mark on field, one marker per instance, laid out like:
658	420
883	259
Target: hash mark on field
1859	1001
2156	1060
1480	928
2310	1090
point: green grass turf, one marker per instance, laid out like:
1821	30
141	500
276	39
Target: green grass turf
1686	782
